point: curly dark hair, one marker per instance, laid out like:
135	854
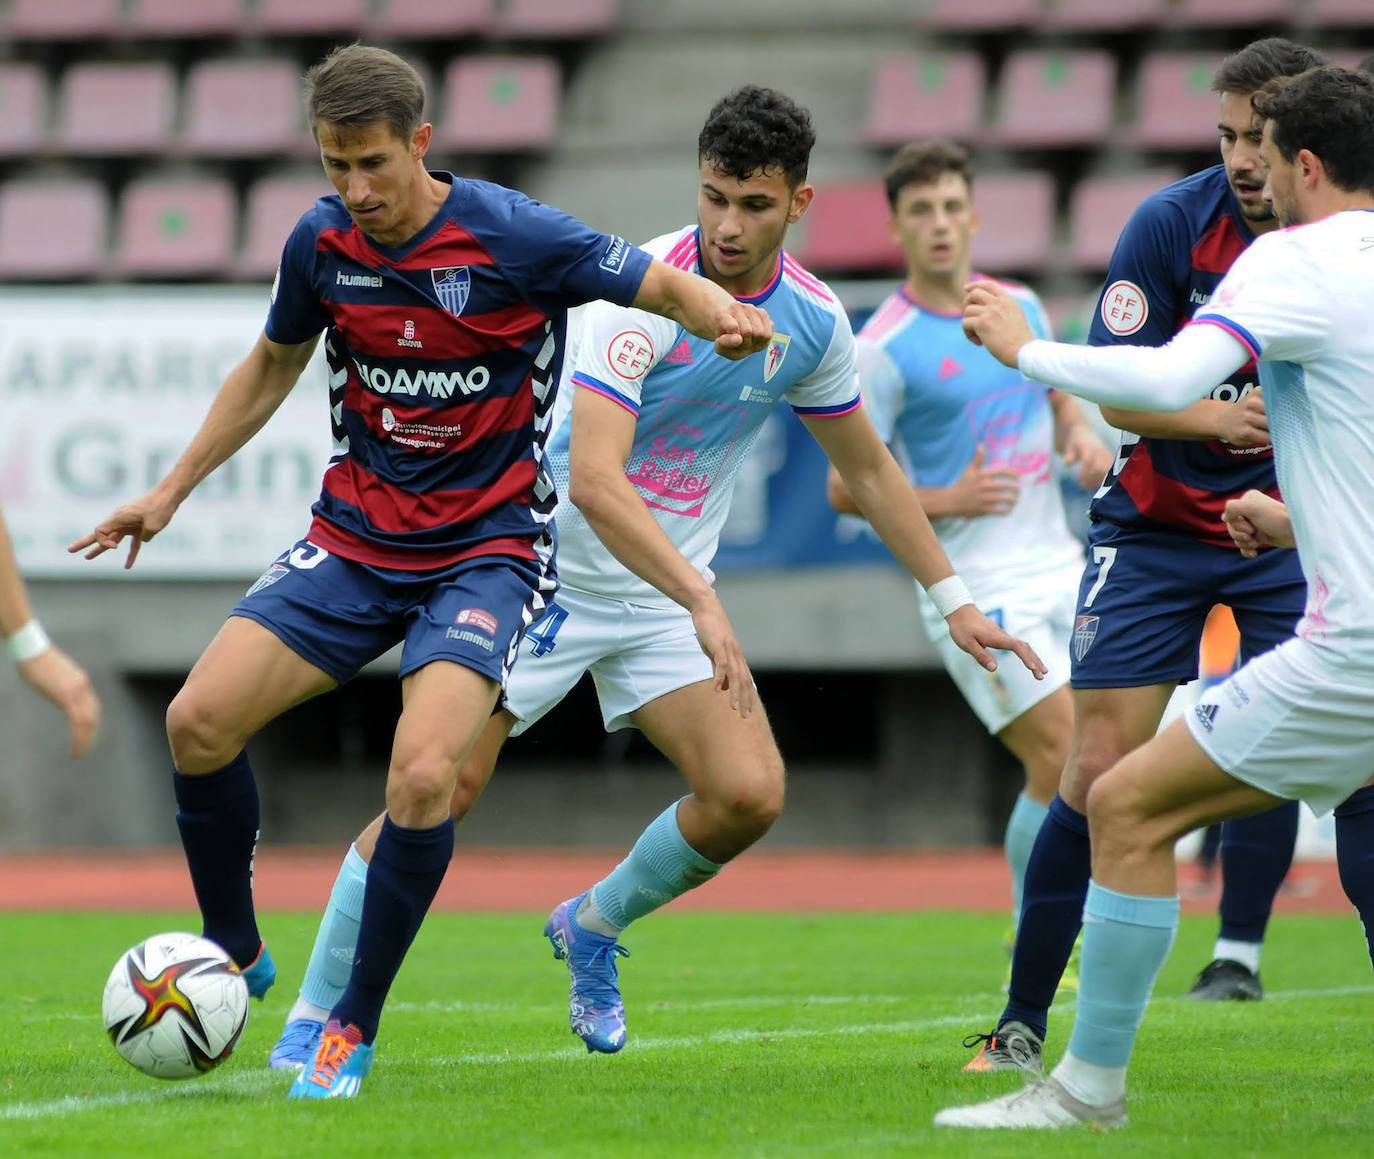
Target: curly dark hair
1329	111
757	130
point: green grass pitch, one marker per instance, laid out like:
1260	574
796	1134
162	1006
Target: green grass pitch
750	1035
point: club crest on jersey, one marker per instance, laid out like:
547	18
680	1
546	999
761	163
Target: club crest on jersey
452	284
1084	633
773	356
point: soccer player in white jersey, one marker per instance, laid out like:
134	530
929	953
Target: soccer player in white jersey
978	442
645	465
1297	721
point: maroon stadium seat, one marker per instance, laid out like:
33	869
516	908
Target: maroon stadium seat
275	203
845	230
112	109
550	18
1015	222
925	94
1175	105
305	17
188	18
54	228
956	15
23	108
1099	207
428	18
1056	98
498	104
239	108
61	19
176	226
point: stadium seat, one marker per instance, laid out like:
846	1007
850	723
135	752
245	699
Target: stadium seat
426	18
1220	13
845	230
1099	207
919	95
241	108
176	226
1056	98
1345	13
499	104
183	17
64	20
1175	105
115	109
557	18
957	15
54	228
274	205
309	17
1096	16
1015	222
23	108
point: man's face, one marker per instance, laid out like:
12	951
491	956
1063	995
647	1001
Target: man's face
375	172
1240	153
1280	190
743	224
934	223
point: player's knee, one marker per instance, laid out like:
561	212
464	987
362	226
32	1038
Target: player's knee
199	740
753	803
1116	816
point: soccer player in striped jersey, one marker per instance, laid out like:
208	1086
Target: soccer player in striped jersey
443	302
978	443
1297	722
645	463
1160	558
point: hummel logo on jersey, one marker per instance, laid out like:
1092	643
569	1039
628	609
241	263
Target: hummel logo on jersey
681	354
373	281
949	368
1206	714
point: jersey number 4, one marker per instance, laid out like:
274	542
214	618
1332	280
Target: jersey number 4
542	632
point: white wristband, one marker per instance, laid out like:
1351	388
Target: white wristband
949	595
28	642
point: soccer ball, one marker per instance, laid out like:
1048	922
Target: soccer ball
175	1006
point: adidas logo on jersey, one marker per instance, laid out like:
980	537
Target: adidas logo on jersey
681	354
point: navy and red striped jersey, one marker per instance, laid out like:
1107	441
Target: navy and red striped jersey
1171	256
444	354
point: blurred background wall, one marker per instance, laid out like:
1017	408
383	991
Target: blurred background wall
155	158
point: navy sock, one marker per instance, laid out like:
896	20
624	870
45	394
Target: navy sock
1051	914
406	870
1256	853
218	817
1355	856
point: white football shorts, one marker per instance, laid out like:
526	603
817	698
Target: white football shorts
1039	612
1297	722
635	654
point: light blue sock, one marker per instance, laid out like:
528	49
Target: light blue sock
1125	941
660	867
332	958
1022	827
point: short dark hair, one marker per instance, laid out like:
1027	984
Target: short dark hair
924	161
357	85
1260	61
757	130
1330	112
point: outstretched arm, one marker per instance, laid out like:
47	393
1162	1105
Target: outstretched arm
702	308
249	396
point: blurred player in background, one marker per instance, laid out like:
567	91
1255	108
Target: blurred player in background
977	442
41	664
1294	723
1160	558
444	303
645	463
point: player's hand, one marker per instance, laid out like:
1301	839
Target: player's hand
984	490
1256	521
993	318
63	681
1083	449
1246	424
141	520
719	642
742	330
975	634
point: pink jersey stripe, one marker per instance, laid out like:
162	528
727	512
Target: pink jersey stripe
806	278
886	318
684	254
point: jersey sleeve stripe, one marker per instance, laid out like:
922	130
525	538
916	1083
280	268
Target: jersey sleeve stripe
832	411
584	380
1236	331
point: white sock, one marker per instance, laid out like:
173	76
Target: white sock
1246	953
589	917
1089	1083
304	1009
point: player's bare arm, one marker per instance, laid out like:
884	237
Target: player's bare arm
885	498
702	308
249	396
1241	424
980	490
1077	442
600	440
1256	521
40	663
